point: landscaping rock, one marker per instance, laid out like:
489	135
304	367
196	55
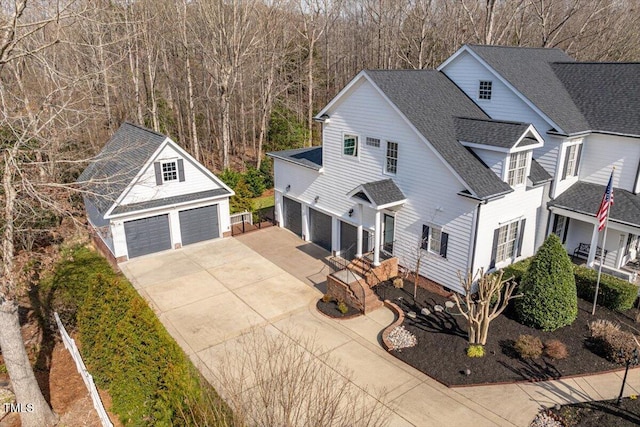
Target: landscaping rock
449	304
438	308
543	419
401	338
411	314
425	311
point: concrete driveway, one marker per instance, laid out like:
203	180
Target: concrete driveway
207	295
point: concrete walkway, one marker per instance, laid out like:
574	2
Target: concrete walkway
208	294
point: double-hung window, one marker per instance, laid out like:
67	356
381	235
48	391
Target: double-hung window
507	242
434	240
571	160
517	168
169	171
391	165
350	145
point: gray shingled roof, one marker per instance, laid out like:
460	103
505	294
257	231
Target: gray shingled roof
495	133
538	174
430	101
380	192
585	198
307	157
530	71
175	200
607	94
118	163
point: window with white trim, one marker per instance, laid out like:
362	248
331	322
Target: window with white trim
517	168
373	142
169	171
391	165
507	238
484	89
350	145
571	160
434	240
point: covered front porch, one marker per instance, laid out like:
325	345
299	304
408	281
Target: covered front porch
574	222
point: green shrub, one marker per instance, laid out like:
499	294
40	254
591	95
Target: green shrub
475	350
342	307
266	169
528	347
614	293
555	349
128	351
517	270
548	288
255	181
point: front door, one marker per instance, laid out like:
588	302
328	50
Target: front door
387	237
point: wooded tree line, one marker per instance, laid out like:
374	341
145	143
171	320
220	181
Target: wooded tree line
215	74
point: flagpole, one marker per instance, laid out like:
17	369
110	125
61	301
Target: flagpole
604	243
607	194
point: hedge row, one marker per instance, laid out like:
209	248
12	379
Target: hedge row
127	350
614	293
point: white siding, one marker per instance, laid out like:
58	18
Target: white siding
430	187
466	72
561	185
494	159
521	204
601	152
145	188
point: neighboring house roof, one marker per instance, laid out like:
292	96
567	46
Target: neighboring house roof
307	157
538	174
175	200
431	102
118	163
607	94
495	133
585	198
379	193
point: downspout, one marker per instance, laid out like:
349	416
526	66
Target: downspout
476	218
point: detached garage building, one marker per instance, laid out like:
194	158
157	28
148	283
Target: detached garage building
145	194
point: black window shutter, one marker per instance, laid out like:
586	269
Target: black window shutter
555	223
444	240
566	229
158	169
520	236
425	237
566	163
180	170
578	160
494	248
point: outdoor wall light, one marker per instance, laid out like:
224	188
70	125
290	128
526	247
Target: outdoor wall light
350	212
288	187
316	199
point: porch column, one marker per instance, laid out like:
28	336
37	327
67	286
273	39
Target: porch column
376	241
594	246
359	233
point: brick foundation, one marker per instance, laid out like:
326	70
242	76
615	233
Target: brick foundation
102	248
341	292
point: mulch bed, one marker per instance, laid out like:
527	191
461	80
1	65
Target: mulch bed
331	309
442	342
598	414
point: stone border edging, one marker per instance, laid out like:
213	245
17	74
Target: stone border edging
399	320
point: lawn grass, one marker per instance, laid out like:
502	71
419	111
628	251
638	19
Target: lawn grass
262	202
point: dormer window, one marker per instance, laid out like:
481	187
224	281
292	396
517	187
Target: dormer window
484	90
517	168
169	171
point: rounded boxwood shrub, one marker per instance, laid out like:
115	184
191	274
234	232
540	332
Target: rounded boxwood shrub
549	300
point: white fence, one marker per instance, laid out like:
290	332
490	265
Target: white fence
70	345
241	217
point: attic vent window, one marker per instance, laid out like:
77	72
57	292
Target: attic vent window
169	171
373	142
484	91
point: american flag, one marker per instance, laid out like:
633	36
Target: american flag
607	201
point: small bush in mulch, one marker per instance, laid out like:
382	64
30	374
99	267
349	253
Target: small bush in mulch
598	414
528	346
331	309
614	344
441	350
555	349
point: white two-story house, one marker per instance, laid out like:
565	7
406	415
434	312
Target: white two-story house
469	166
